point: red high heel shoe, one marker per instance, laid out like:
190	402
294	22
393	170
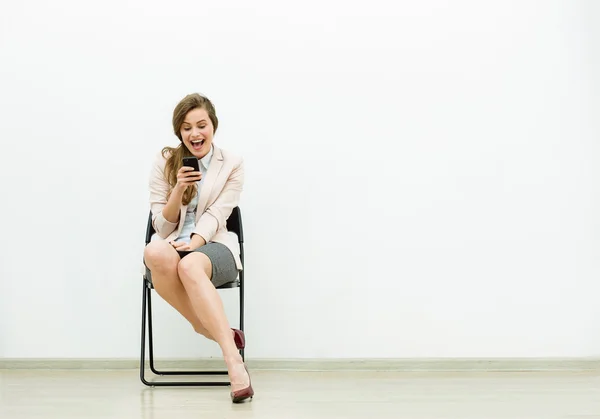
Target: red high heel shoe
245	393
239	338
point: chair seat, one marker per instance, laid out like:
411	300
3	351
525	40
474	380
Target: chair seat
148	281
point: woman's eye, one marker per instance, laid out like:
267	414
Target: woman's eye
186	129
202	127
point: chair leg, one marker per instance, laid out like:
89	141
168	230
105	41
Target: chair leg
143	345
241	294
147	302
150	337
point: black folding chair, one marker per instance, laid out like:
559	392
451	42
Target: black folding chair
234	224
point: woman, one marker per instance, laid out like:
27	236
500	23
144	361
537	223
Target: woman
192	252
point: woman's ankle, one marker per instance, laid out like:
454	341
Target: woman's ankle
233	359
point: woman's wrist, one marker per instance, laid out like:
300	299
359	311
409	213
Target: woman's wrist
178	192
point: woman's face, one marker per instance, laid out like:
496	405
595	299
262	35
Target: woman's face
197	132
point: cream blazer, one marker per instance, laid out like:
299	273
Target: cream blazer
219	194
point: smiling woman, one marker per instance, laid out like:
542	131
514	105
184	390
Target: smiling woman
192	252
194	122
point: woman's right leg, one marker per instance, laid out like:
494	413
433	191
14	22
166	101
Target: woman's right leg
162	260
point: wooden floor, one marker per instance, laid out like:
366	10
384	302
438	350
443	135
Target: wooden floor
117	394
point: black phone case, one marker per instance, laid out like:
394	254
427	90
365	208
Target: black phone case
191	162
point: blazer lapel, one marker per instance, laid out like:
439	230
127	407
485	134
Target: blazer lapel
208	182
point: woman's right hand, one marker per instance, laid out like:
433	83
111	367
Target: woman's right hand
186	176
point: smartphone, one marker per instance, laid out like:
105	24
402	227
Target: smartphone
191	162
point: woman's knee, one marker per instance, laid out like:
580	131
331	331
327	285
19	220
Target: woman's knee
194	267
161	256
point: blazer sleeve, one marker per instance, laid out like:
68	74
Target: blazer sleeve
216	215
159	188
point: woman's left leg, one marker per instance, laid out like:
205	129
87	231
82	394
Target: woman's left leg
195	272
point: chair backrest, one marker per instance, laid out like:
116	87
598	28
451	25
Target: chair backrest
234	224
149	229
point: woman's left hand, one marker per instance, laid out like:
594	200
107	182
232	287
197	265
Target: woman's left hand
196	242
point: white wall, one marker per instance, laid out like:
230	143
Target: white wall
422	177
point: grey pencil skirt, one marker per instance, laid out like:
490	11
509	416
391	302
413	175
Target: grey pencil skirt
224	269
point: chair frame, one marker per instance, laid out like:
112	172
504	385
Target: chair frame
234	224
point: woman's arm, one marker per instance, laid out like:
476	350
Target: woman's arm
171	210
159	189
166	213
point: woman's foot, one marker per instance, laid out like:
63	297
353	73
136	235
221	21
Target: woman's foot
241	387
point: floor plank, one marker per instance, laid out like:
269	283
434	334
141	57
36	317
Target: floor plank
69	394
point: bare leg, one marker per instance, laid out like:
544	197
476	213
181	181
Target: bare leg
195	271
162	260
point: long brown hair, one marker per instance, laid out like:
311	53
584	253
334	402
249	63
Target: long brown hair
175	155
